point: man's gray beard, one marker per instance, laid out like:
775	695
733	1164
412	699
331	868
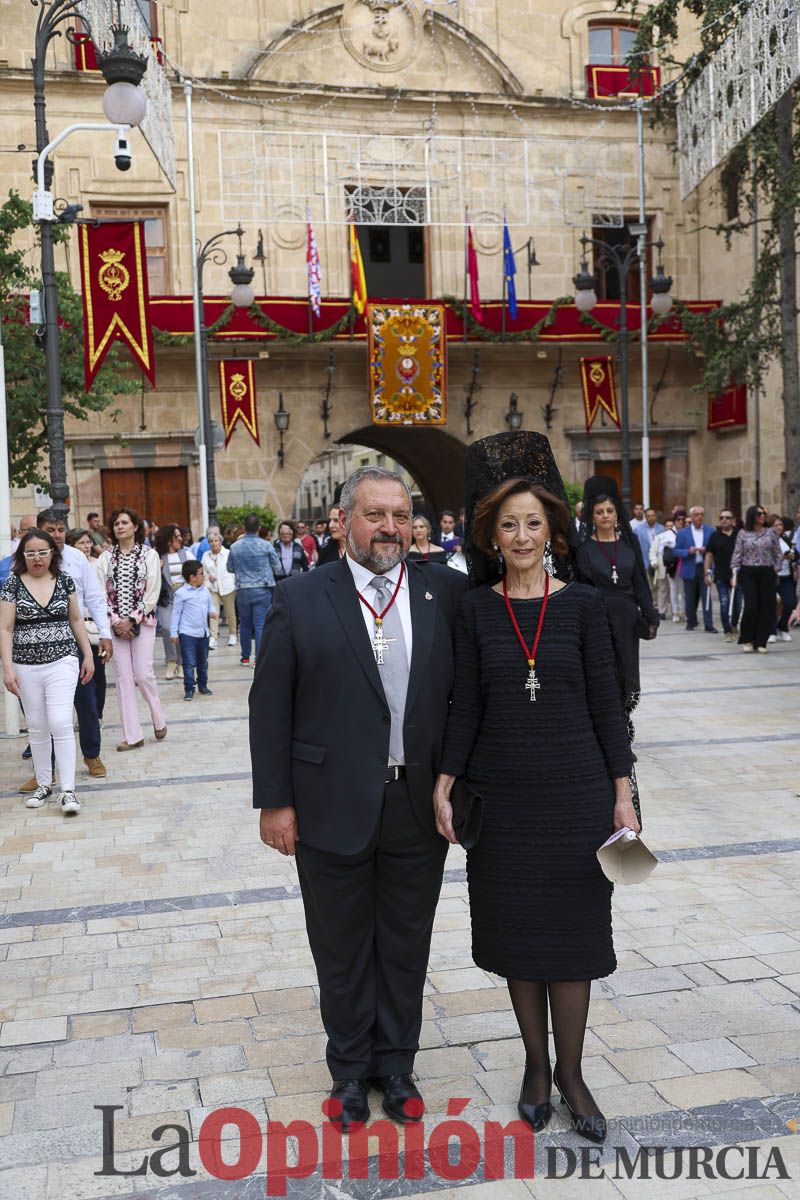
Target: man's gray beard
365	558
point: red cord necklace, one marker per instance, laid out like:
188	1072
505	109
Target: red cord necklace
532	684
612	561
379	642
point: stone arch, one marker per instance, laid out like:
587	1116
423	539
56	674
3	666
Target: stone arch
475	50
435	458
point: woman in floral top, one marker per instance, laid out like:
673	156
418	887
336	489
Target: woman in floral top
41	630
132	573
755	564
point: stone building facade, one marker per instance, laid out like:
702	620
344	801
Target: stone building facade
485	104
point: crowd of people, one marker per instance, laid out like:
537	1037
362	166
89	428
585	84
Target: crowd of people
135	581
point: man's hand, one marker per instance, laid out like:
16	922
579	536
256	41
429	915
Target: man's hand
174	641
278	829
105	649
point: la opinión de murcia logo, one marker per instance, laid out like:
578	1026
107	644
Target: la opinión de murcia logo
454	1151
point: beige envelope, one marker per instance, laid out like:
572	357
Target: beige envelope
625	858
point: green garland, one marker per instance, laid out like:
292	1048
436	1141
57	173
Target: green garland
477	331
612	335
162	338
297	339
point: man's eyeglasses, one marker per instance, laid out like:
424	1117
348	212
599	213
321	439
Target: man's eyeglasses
36	553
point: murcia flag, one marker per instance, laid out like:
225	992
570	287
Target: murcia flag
597	377
314	268
237	389
472	273
115	296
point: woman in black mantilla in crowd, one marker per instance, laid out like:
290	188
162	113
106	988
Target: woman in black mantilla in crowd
536	727
609	558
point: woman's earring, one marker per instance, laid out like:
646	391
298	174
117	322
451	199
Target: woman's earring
549	564
496	548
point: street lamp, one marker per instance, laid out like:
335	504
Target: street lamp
514	417
282	418
242	296
123	69
621	258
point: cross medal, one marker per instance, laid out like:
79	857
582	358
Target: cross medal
379	642
533	684
614	575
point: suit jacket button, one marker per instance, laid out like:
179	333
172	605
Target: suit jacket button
387	720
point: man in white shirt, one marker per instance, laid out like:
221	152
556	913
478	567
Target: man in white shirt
637	517
91	599
345	736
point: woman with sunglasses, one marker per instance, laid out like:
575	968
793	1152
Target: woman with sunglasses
41	631
755	564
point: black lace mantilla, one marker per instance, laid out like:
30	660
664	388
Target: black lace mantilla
526	455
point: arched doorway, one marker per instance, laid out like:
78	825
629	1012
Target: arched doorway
434	458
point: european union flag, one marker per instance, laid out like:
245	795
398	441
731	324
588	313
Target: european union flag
510	269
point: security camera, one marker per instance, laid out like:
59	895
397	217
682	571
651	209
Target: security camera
122	153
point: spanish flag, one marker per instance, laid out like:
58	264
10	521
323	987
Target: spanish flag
357	273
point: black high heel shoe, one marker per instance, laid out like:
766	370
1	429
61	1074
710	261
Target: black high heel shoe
592	1127
535	1115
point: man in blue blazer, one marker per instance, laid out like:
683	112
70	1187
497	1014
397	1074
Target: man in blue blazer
690	548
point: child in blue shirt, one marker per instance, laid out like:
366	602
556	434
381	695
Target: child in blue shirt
191	609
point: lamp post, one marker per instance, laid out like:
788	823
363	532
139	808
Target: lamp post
242	296
122	69
282	418
514	417
621	259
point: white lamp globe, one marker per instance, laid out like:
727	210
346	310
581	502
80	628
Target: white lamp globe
661	303
585	299
242	295
124	104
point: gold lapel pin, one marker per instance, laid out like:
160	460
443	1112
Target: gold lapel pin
428	596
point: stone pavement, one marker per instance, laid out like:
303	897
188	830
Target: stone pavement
153	957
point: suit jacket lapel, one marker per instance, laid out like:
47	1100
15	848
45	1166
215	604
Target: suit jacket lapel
423	624
344	597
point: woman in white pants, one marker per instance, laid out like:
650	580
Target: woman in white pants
132	574
222	585
41	630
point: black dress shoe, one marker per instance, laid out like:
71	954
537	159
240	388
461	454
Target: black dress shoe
401	1099
592	1127
536	1115
352	1096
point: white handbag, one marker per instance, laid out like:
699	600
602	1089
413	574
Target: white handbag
624	858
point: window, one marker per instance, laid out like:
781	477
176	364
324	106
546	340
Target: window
155	238
148	9
610	45
391	233
619	237
733	495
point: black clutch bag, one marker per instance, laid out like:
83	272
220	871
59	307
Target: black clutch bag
467	813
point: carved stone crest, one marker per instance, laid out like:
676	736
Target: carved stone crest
383	35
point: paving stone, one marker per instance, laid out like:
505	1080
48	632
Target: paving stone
123	1047
61	1081
648	1064
744	968
714	1054
192	1064
631	1035
218	1090
771	1047
224	1008
161	1016
45	1029
641	983
95	1025
692	1091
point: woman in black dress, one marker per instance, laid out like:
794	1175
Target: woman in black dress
609	558
546	746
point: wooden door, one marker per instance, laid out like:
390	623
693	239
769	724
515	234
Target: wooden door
167	495
159	493
123	488
614	469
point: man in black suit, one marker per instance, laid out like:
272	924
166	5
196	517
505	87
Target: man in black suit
347	714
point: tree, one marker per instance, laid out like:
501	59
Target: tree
26	396
761	182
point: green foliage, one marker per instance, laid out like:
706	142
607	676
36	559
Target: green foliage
26	394
574	494
234	514
740	339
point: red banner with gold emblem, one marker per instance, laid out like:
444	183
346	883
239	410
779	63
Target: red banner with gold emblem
407	364
597	377
115	295
237	389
